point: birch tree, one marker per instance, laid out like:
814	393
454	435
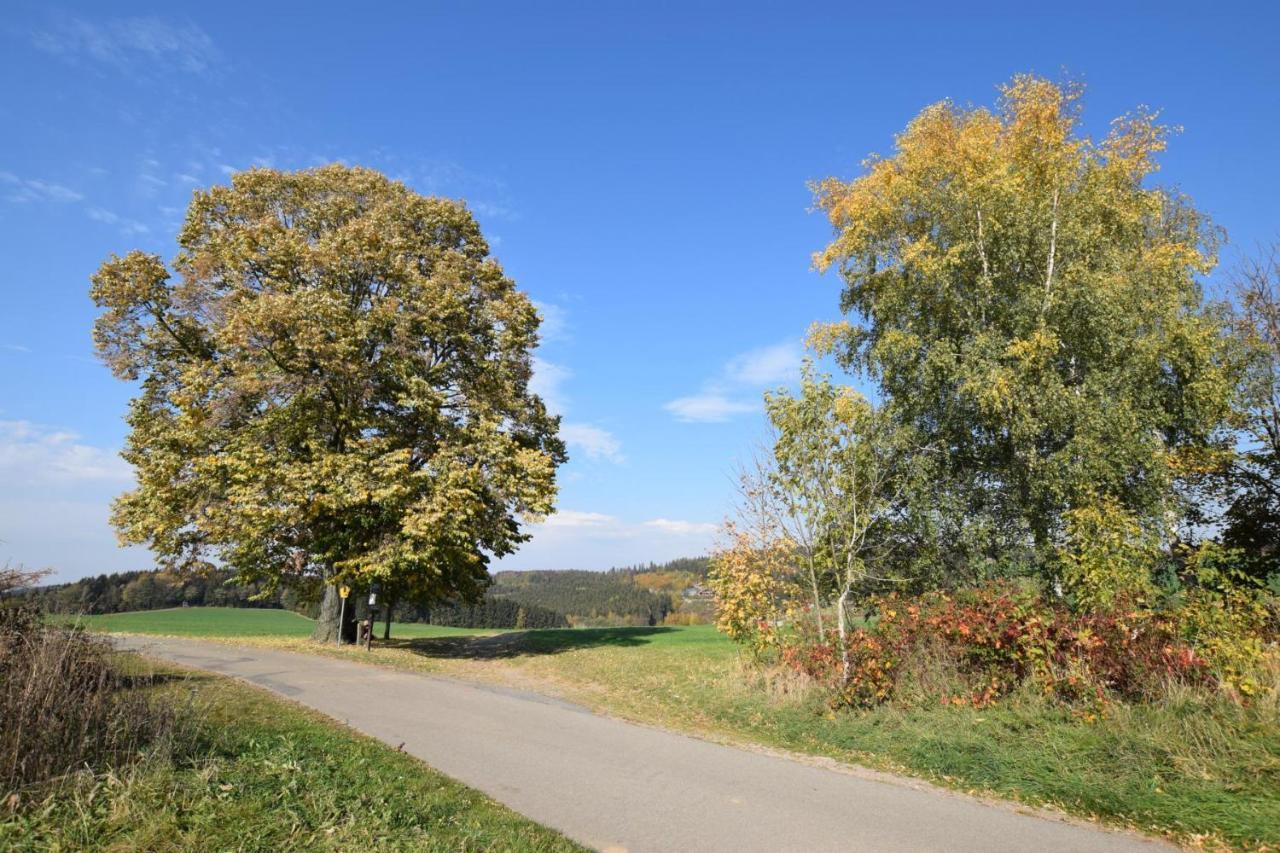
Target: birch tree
1029	303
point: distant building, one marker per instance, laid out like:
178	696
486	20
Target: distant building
698	591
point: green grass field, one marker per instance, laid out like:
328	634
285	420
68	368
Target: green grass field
1201	769
238	622
262	773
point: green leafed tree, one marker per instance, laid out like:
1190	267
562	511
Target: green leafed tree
1029	302
334	384
1252	483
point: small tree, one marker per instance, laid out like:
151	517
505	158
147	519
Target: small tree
838	476
334	384
752	576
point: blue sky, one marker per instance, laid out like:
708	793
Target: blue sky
640	169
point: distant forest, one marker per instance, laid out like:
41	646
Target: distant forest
637	595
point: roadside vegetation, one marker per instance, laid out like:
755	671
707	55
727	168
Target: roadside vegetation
1193	765
1053	515
105	751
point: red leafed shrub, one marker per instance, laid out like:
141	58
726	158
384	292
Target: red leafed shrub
992	640
870	661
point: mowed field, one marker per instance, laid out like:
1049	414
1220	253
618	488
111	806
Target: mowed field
231	622
1200	769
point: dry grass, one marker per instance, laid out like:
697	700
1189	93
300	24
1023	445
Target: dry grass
65	706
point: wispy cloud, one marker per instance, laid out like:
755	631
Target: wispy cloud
22	190
128	227
569	518
15	348
593	441
736	389
706	408
682	528
595	540
555	324
602	525
130	43
56	502
35	455
770	365
19	190
548	383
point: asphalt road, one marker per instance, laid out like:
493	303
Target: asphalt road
616	786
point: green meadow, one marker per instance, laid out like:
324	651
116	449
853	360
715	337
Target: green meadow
229	622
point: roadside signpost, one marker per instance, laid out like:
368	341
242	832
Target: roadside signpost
373	617
343	591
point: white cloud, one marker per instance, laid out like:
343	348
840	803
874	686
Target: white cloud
127	43
569	518
708	408
492	210
22	190
575	539
15	348
682	528
128	227
554	321
595	442
766	365
34	455
726	396
548	377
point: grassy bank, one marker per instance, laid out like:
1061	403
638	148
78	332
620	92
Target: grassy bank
1196	768
262	773
1199	769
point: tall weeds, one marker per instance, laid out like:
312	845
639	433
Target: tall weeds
65	703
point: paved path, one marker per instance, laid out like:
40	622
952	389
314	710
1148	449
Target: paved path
617	786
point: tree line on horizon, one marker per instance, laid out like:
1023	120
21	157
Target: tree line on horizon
637	595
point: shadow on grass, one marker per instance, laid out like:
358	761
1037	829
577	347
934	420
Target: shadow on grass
142	680
518	643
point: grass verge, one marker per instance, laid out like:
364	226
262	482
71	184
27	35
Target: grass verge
1196	768
261	773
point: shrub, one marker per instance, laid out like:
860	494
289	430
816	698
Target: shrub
974	646
1107	556
753	582
1224	615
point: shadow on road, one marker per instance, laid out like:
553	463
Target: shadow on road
518	643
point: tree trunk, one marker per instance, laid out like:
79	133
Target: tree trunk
386	628
817	600
844	638
332	620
